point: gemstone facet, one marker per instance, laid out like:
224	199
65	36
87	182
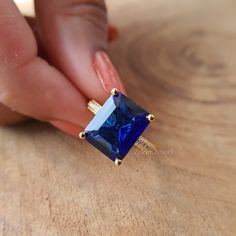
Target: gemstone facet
116	126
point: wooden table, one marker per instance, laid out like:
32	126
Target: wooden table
178	59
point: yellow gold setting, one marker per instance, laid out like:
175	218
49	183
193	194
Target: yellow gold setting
114	92
94	106
82	135
118	161
151	117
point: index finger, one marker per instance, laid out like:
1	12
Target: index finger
27	83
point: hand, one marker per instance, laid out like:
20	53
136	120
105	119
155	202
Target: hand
73	34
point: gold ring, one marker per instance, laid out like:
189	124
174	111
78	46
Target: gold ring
117	126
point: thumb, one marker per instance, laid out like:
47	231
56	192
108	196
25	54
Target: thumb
74	35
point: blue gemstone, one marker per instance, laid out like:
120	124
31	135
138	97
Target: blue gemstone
116	126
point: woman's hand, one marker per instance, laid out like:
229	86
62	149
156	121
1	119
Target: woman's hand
73	34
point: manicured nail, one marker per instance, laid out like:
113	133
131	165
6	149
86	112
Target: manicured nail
107	73
67	127
112	33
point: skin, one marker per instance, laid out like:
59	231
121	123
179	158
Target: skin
47	69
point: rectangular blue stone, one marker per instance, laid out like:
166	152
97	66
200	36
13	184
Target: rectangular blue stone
116	126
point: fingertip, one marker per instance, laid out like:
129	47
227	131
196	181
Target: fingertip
9	117
67	127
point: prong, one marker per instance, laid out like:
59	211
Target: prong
118	161
114	92
151	117
82	135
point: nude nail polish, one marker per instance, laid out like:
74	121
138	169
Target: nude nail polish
107	73
112	33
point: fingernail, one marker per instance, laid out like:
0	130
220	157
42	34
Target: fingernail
112	33
67	127
107	73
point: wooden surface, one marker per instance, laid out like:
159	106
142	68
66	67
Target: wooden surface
178	59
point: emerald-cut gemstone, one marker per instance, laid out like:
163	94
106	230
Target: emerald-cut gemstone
116	126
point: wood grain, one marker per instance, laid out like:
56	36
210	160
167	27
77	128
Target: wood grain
178	59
